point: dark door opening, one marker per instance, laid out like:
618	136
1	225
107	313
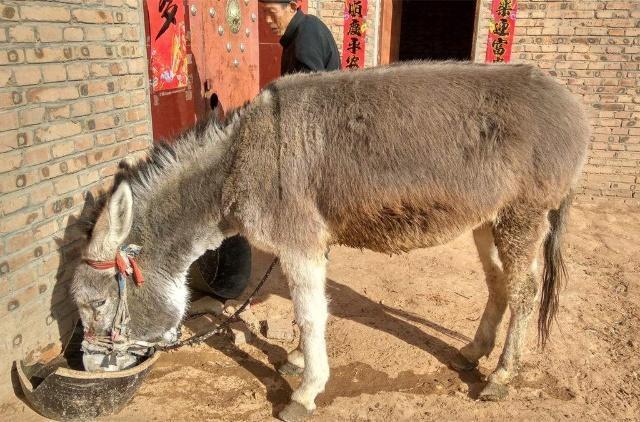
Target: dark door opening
437	30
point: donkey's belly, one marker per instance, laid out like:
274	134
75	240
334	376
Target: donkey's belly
401	230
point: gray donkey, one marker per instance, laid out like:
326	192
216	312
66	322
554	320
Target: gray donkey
389	159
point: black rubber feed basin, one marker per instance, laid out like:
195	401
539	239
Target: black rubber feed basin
61	390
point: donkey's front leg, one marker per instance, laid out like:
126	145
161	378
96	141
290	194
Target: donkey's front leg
306	278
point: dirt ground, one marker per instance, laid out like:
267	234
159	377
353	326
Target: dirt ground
395	322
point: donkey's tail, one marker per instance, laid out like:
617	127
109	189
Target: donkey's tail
554	272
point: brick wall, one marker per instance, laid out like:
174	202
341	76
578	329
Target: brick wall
594	48
73	102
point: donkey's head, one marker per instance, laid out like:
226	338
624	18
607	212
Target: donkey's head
155	307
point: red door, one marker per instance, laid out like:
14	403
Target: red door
231	52
228	53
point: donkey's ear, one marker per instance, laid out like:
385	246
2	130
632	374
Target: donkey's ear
120	212
113	224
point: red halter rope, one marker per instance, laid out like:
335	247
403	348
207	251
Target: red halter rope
124	263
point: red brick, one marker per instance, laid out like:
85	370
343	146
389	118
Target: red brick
138	97
99	70
52	94
94	34
117	69
28	76
18	260
80	108
104	122
10	161
58	112
103	104
49	33
9	120
44	13
31	116
106	154
66	184
61	149
5	77
54	73
13	204
121	101
97	88
109	170
131	17
41	193
22	33
77	71
45	230
83	142
57	131
131	33
73	34
89	177
11	56
92	16
135	114
19	241
10	99
48	54
19	221
113	33
36	155
138	144
105	138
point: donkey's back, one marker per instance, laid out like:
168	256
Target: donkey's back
411	155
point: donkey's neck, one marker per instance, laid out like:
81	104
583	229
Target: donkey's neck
177	200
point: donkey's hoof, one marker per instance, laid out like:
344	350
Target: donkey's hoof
290	369
494	392
294	412
460	363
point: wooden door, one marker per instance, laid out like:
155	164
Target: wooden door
231	51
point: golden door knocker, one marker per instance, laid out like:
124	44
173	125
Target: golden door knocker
234	15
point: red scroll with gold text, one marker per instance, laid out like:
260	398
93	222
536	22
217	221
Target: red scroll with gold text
502	27
355	18
167	32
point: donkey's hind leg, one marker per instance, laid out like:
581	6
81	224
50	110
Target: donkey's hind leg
485	337
518	235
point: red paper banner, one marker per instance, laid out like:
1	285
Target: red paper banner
502	27
168	44
355	26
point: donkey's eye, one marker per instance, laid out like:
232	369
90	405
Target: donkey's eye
98	303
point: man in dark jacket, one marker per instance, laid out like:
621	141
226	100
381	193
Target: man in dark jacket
307	43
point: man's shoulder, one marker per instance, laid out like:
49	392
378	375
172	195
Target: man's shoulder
313	23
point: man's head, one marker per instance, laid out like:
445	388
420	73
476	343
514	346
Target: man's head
278	14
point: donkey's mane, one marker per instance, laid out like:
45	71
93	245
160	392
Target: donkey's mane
203	141
163	159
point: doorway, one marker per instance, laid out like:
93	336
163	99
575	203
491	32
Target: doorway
427	30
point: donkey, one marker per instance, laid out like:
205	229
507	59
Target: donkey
389	159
